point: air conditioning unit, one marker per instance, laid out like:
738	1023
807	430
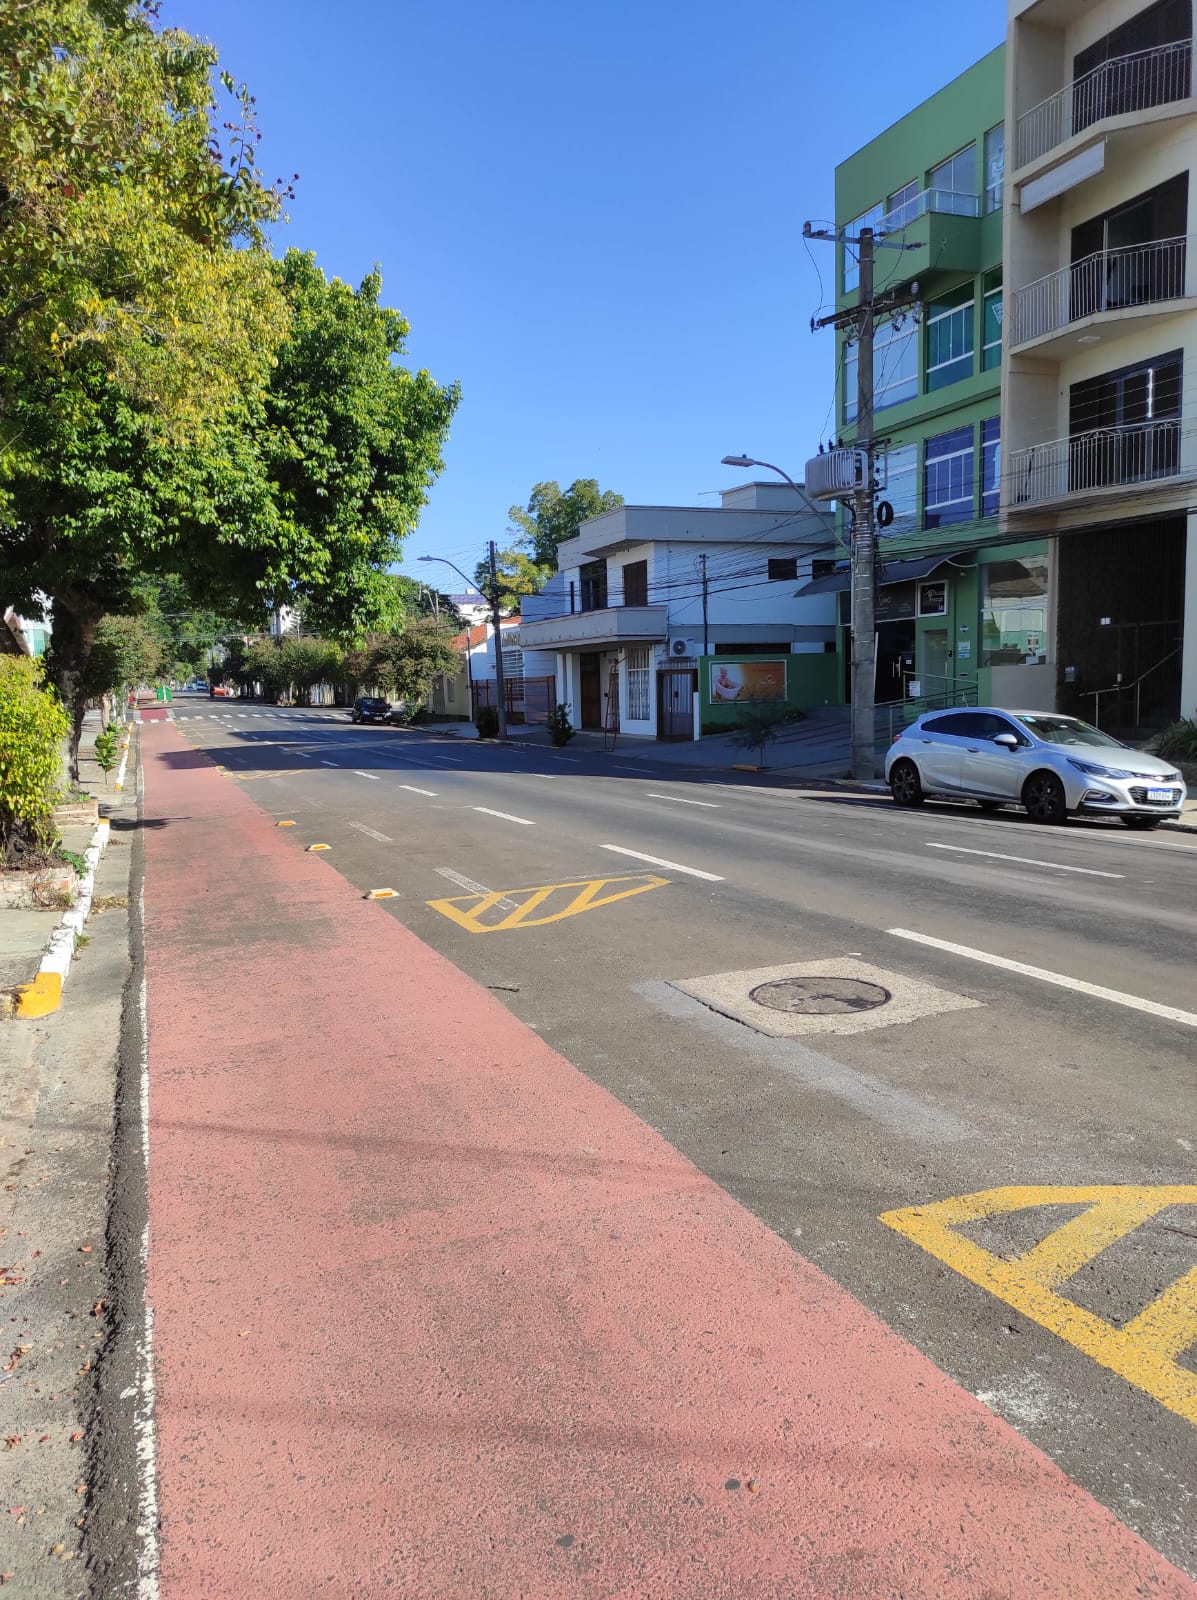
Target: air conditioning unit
837	473
684	647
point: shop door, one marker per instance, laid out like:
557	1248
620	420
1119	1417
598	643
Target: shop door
592	694
933	665
675	704
895	659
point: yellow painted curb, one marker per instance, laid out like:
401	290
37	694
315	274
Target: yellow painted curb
744	766
312	847
382	894
39	998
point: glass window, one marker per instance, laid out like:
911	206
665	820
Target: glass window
895	366
948	475
1014	612
639	682
902	207
991	320
995	166
850	270
958	725
991	465
950	332
635	583
953	184
901	490
933	599
1069	731
783	567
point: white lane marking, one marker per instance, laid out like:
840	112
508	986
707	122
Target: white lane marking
373	776
435	755
304	755
1132	1001
372	833
657	861
330	763
524	822
708	805
471	887
1026	861
411	789
618	768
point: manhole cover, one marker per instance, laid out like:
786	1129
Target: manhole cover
820	997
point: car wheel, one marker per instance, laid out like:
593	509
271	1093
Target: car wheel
1043	796
990	805
1142	824
904	784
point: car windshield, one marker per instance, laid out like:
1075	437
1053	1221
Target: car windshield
1068	730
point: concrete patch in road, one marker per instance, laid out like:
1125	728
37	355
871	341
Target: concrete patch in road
1148	1348
835	995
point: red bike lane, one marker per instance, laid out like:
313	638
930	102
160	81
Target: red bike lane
436	1316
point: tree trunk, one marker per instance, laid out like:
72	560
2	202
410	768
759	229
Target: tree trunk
76	620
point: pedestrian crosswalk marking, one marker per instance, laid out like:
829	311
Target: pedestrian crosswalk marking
1147	1349
501	910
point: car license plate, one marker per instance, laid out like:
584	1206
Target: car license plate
1160	797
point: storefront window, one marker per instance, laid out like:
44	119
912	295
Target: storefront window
639	683
1014	612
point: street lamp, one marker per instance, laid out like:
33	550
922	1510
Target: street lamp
751	461
468	654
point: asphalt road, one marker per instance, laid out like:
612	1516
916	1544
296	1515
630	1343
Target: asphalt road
970	1077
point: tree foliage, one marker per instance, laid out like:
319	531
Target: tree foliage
33	725
128	651
553	515
518	576
406	664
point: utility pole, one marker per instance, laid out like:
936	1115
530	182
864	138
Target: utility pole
706	641
861	321
500	684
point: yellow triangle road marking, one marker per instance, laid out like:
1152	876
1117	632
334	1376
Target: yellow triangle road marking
1146	1350
505	909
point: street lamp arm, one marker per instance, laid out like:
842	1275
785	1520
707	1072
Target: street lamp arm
751	461
469	582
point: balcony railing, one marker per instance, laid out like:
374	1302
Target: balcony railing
1108	280
1104	458
1127	83
949	201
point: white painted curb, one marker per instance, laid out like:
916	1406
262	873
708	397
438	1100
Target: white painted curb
44	994
123	768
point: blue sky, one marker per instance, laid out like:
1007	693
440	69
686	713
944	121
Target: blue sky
591	215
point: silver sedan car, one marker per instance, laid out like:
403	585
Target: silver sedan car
1053	765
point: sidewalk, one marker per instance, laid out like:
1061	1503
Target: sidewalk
436	1316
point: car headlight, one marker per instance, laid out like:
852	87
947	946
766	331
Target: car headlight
1095	771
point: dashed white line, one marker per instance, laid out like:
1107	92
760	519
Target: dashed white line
1133	1002
524	822
372	833
471	887
411	789
658	861
373	776
1025	861
330	763
708	805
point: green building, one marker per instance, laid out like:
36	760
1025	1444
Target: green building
935	181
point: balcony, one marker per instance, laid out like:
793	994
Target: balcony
1119	87
1133	282
1101	461
943	229
597	630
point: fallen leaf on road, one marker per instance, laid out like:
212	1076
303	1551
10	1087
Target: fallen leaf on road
12	1441
16	1511
99	1308
85	1249
75	1437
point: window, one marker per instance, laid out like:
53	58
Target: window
895	367
1145	62
783	567
1014	612
594	586
635	583
995	167
958	725
948	475
850	271
953	184
950	327
933	599
902	207
1133	254
901	490
639	682
1124	426
991	465
991	320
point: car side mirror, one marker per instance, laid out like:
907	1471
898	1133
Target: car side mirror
1008	741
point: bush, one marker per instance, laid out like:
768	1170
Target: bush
1179	742
561	729
33	726
105	749
486	720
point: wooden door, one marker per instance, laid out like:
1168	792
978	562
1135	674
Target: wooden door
592	694
675	703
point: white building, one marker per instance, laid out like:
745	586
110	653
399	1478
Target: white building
1100	345
643	593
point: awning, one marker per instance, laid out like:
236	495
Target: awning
890	572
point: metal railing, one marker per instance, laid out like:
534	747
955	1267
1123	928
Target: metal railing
950	201
1103	458
1127	83
1108	280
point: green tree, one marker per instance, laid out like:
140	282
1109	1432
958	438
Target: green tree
518	576
404	665
306	662
128	651
553	515
32	726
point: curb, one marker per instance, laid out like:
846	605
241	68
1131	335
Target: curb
44	994
124	766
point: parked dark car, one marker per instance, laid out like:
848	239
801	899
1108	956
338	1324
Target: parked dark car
368	708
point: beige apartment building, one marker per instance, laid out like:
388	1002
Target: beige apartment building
1099	356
